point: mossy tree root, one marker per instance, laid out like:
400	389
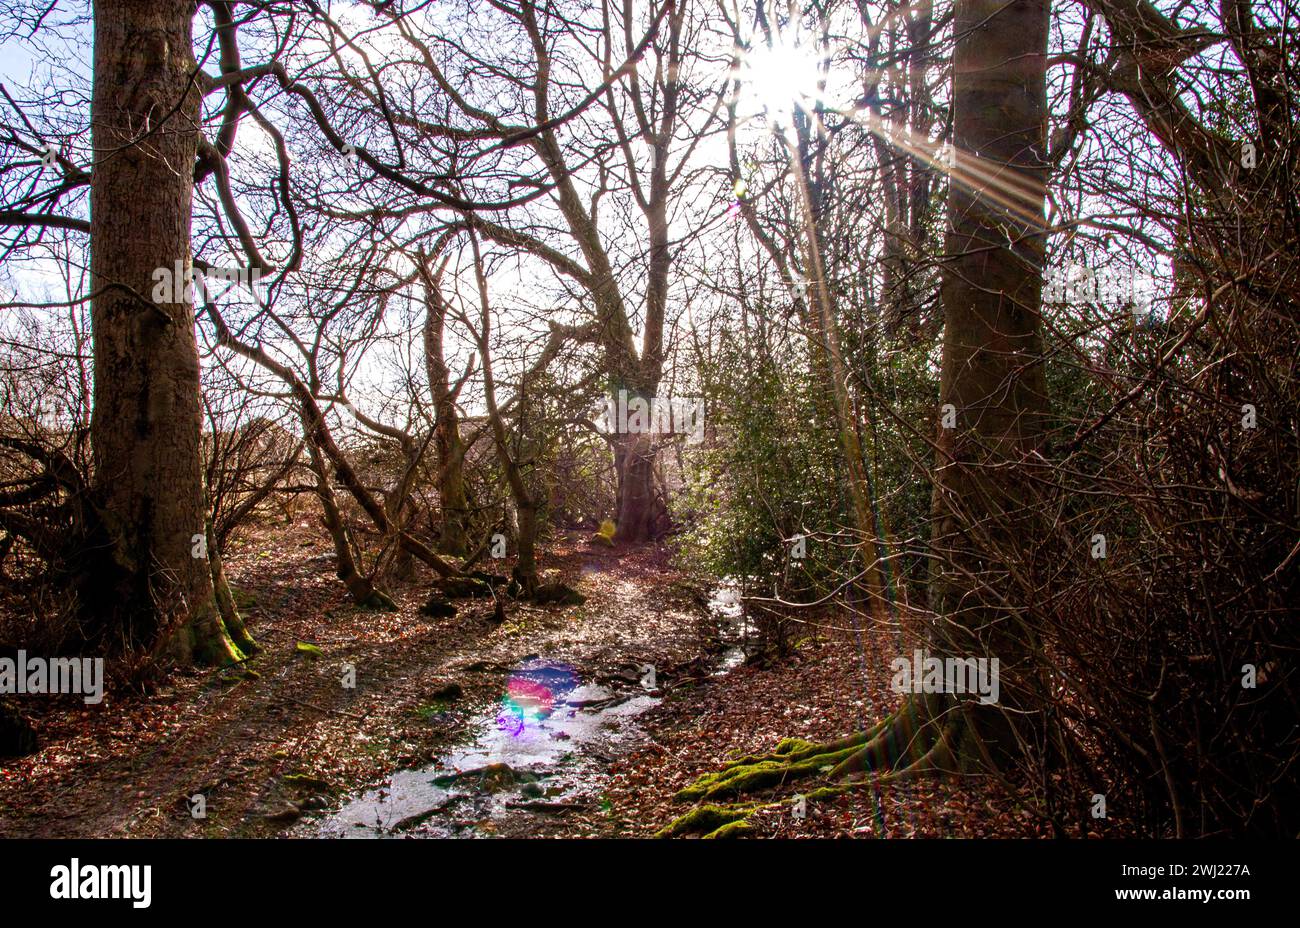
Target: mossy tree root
925	751
243	644
916	740
794	750
763	774
922	737
712	821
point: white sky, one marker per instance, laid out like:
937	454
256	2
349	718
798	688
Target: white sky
774	77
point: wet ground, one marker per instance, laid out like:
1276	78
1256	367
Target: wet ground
542	750
281	745
545	724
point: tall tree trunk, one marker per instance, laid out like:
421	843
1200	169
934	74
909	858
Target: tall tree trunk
993	374
640	508
449	448
641	511
992	368
147	418
525	570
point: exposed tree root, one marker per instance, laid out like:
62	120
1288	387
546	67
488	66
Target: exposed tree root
378	601
917	740
731	830
712	821
762	774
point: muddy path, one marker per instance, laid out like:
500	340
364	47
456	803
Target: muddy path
455	726
537	759
539	753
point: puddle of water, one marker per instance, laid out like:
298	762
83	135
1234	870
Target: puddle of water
545	743
542	749
726	606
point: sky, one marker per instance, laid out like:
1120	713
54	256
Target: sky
774	79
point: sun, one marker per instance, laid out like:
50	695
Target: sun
777	77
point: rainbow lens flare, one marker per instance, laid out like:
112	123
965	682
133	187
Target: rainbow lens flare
532	693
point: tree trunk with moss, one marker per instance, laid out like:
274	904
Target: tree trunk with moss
992	374
153	590
993	367
230	616
993	378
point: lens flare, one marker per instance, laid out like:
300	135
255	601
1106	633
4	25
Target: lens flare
532	693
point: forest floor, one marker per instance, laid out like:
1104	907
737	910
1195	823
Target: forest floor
280	746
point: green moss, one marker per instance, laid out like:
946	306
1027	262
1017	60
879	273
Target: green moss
436	707
242	640
208	643
704	819
219	651
743	777
305	782
789	747
795	746
731	830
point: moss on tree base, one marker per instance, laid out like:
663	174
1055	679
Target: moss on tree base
206	640
708	820
917	740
